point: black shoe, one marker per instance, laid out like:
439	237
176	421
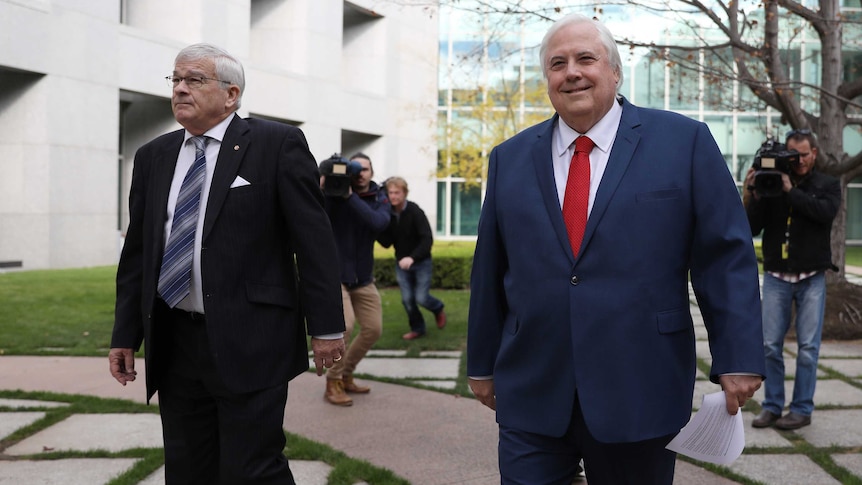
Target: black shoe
793	421
765	419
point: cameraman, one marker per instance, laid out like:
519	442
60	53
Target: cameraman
796	227
357	218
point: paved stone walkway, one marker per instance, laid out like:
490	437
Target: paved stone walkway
425	436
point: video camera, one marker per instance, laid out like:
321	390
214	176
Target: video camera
771	160
339	172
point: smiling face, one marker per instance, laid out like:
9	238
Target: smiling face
582	84
198	110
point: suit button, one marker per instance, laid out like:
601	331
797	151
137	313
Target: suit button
575	280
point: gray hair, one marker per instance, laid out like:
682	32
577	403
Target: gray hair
605	36
227	67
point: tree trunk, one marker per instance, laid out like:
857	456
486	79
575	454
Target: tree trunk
839	238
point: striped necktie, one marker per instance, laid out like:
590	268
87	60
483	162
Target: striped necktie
176	274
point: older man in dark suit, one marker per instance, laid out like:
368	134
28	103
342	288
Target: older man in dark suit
228	256
580	334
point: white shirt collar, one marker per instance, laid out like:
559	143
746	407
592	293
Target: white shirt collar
602	133
216	132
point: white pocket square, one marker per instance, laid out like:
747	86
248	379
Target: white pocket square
239	182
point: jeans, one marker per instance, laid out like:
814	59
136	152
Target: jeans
415	284
778	297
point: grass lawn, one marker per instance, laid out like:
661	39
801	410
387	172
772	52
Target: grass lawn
70	312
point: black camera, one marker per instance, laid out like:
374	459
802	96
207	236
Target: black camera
339	172
771	160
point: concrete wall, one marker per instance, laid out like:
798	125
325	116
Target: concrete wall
83	87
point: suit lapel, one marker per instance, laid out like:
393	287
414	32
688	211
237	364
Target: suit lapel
233	148
163	175
621	155
543	163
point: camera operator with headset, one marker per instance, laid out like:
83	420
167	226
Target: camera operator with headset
358	211
796	222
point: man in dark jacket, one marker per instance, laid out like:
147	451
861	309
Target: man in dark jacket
796	227
411	234
357	218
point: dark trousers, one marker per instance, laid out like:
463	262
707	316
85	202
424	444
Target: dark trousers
212	435
533	459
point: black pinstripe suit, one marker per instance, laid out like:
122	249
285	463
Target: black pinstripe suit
267	267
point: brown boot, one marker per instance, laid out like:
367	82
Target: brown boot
351	386
335	393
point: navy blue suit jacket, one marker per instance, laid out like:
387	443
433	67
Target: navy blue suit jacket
612	325
267	258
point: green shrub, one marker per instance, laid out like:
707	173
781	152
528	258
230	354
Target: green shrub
453	261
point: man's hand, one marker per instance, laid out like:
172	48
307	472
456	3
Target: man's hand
483	389
786	183
738	389
326	352
405	263
122	365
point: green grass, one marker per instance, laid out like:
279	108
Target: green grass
70	312
853	255
345	470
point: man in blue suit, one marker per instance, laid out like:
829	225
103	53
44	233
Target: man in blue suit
583	343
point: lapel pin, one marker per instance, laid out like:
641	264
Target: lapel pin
235	147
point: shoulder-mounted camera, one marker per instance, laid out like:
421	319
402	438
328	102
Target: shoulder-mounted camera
339	172
771	160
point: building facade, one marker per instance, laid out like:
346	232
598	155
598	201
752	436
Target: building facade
491	86
83	88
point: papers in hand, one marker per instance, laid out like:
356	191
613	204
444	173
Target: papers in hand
712	435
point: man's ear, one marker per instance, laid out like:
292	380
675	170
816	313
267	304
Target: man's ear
232	97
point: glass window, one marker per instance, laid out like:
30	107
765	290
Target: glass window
648	83
464	210
854	212
442	194
717	89
684	85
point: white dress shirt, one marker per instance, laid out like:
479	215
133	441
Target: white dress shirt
194	302
603	135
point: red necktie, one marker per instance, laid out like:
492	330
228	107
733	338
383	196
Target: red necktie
578	192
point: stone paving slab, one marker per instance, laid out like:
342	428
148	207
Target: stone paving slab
839	427
844	348
11	422
449	385
451	354
848	349
851	461
781	470
69	471
762	437
30	403
829	392
305	472
407	368
82	432
848	367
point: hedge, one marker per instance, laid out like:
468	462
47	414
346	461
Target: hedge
450	272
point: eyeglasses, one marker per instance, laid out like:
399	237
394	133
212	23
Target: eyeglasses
193	82
801	131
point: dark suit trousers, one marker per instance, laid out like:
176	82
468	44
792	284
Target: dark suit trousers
533	459
214	436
